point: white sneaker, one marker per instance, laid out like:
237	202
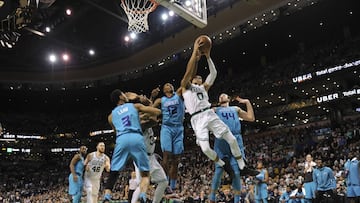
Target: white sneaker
241	163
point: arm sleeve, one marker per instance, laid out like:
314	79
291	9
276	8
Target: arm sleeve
213	73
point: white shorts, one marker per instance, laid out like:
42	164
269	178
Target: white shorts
207	121
157	173
92	186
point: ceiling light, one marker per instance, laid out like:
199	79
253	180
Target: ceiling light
68	12
47	29
91	52
52	58
187	3
65	57
171	13
164	16
126	38
132	35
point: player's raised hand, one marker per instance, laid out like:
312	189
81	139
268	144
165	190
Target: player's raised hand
155	92
241	100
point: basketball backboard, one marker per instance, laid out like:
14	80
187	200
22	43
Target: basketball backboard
194	11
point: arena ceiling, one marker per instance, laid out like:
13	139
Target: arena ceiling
101	26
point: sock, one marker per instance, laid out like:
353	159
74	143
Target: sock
173	184
212	196
237	198
220	162
107	197
142	196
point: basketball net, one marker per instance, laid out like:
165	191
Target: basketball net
137	12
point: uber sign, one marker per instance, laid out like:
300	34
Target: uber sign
329	97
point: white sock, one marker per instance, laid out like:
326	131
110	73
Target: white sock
220	162
241	163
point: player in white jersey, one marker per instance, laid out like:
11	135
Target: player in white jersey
157	173
203	119
95	163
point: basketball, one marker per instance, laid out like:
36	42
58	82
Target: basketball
205	43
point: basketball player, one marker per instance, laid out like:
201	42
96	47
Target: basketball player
230	115
203	119
261	192
309	184
157	173
325	182
352	172
125	122
76	176
172	130
95	163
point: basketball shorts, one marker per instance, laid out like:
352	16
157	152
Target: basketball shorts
132	146
75	187
207	121
172	139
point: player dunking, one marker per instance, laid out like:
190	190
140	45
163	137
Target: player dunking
125	122
172	130
95	163
203	119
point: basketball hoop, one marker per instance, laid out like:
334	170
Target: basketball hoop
137	12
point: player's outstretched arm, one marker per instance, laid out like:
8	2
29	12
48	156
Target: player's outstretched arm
247	115
191	67
147	109
157	103
210	79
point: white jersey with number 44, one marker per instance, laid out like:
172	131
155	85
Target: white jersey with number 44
196	98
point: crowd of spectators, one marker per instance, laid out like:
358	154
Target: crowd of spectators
282	152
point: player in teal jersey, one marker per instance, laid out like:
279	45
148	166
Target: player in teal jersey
76	176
